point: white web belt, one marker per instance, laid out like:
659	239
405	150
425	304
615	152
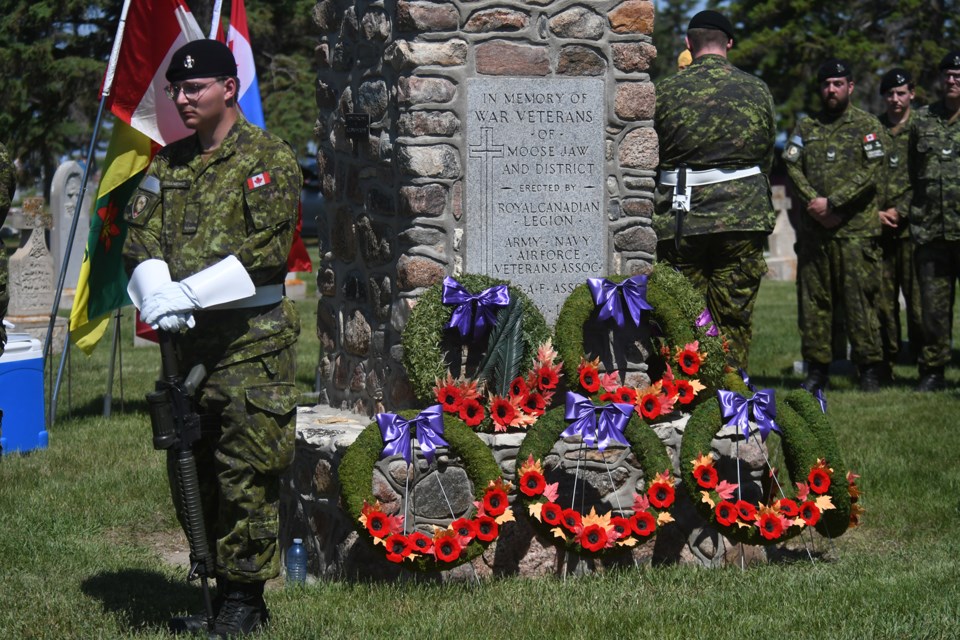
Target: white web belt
668	178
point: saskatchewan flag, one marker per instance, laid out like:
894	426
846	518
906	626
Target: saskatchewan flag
102	286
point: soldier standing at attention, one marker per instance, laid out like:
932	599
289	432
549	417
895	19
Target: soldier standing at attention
835	160
226	195
8	186
716	128
896	87
935	219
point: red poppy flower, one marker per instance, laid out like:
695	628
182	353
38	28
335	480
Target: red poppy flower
746	511
649	406
593	538
398	547
532	483
378	524
518	387
608	397
420	543
643	524
551	513
589	378
810	513
685	393
770	525
447	548
571	520
465	529
471	412
689	361
621	527
449	396
494	502
726	513
534	403
819	480
668	388
487	528
788	507
661	495
706	476
547	378
625	395
502	412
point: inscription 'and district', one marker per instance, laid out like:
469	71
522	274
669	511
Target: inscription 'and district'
535	196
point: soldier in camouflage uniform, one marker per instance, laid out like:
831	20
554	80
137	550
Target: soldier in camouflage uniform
717	122
935	219
8	185
231	189
896	246
835	161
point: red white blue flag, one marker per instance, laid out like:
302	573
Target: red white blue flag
238	39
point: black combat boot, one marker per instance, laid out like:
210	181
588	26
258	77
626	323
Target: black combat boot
242	612
195	622
931	379
818	375
870	377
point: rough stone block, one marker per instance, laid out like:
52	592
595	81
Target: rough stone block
416	90
635	238
405	55
356	334
427	16
578	22
416	272
375	25
372	98
577	60
428	123
497	19
343	236
635	100
632	16
423	200
503	58
638	207
375	242
633	56
640	149
429	161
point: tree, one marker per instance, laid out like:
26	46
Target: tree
670	26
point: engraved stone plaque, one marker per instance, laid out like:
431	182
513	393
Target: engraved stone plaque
535	196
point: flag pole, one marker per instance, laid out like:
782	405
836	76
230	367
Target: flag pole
215	22
107	84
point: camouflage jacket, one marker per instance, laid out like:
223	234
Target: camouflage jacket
935	173
8	186
896	191
844	160
712	115
193	213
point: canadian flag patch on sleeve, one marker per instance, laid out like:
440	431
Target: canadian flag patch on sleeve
259	180
870	137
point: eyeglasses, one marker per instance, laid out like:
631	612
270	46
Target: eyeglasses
951	77
191	90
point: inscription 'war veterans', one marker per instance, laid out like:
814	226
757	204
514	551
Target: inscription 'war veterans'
535	196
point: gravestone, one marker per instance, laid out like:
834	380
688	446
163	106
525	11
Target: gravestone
32	278
64	200
535	184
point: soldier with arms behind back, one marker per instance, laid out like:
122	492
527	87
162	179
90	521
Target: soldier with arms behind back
219	208
716	129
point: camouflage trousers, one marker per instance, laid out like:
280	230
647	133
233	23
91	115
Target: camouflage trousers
240	462
839	274
898	275
938	267
726	268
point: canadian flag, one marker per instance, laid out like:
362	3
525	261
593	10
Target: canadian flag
259	180
870	137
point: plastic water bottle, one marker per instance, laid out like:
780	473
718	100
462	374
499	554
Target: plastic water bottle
296	562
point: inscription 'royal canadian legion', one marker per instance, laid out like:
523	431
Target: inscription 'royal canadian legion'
535	176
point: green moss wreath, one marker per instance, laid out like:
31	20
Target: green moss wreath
676	307
807	439
645	445
423	337
356	477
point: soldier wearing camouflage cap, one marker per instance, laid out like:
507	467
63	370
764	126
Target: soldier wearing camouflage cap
835	162
896	246
219	208
935	219
716	128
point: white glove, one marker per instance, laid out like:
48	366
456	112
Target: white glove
170	298
175	322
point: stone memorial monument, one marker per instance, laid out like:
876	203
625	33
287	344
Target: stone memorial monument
64	206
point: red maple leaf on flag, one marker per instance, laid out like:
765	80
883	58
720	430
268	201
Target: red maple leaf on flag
109	229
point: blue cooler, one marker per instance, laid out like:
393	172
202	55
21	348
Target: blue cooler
21	395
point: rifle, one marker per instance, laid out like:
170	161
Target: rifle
176	427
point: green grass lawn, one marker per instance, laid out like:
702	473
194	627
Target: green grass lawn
81	525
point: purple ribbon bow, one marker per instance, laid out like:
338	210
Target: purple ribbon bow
705	319
738	409
475	312
821	397
596	431
606	295
396	433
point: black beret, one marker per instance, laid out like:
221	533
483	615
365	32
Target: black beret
201	59
950	61
834	68
895	78
711	20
